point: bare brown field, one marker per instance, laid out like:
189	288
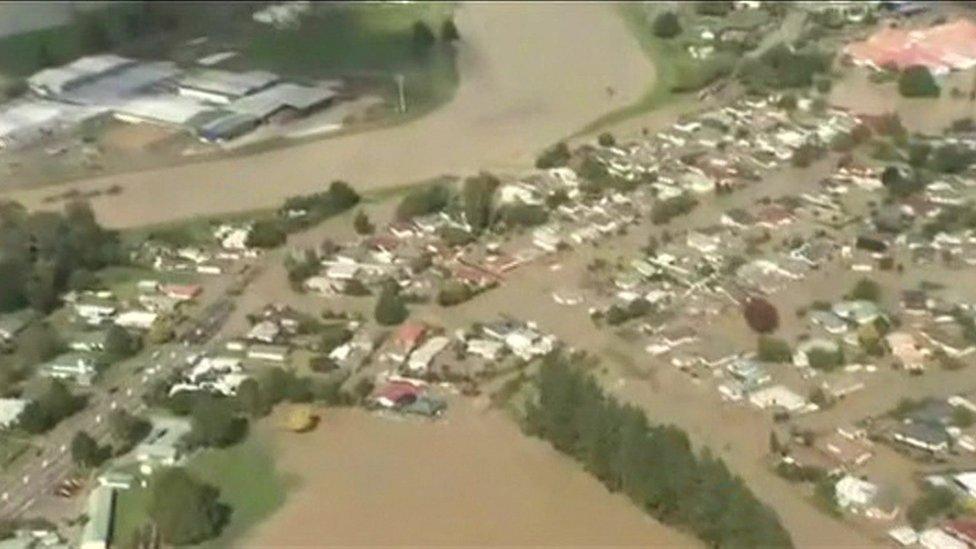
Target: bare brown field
470	479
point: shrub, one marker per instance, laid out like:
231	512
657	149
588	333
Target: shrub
390	308
553	157
866	289
606	139
761	315
361	223
453	292
266	233
666	25
664	210
423	201
772	349
917	81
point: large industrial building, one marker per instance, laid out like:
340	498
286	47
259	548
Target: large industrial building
215	105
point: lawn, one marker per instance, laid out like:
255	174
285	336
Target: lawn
373	40
248	483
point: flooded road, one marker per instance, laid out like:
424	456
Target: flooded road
528	79
470	479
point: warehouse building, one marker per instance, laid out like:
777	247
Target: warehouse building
222	87
283	98
57	80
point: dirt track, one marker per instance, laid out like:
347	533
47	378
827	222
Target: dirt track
531	73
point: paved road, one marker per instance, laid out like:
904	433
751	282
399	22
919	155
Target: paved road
40	476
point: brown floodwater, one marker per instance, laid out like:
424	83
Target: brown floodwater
470	479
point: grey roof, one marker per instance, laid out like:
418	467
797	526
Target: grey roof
224	124
924	432
231	84
170	109
266	102
58	79
121	84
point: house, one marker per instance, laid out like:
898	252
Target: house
949	339
265	331
779	396
962	529
94	311
79	367
182	292
485	348
10	410
934	538
855	494
408	336
273	353
804	348
750	372
136	320
97	531
967	482
162	445
906	536
88	342
844	452
397	393
421	358
13	323
906	349
858	311
828	321
923	436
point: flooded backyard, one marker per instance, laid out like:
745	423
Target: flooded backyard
470	479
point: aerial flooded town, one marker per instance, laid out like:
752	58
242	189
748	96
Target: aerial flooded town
520	274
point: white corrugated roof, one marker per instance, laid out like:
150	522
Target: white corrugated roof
171	109
57	78
296	96
233	84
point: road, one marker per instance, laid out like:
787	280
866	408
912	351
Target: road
38	478
530	74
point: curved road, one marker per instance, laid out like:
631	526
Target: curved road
531	73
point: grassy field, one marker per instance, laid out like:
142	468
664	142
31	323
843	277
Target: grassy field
248	483
368	39
676	71
24	53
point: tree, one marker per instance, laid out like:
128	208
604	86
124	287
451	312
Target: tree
423	37
775	447
390	308
772	349
453	292
716	8
126	429
214	422
266	233
934	501
38	343
362	224
866	289
120	344
664	210
553	157
761	315
185	510
94	36
667	25
900	184
449	31
250	400
606	139
476	196
422	201
50	402
917	81
85	451
161	332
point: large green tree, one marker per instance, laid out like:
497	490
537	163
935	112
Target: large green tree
186	510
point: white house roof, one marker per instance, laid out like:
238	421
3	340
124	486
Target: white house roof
57	79
265	102
170	109
231	84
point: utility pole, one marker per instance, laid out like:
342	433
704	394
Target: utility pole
403	99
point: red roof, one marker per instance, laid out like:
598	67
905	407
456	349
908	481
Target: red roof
963	529
185	291
950	45
396	391
410	334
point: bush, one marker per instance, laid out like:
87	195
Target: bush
917	81
266	233
423	37
934	501
361	224
606	139
718	8
666	25
453	292
185	510
476	197
120	344
664	211
85	451
780	67
390	308
449	31
761	315
822	359
423	201
524	215
556	156
772	349
334	336
866	289
215	423
951	158
320	206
